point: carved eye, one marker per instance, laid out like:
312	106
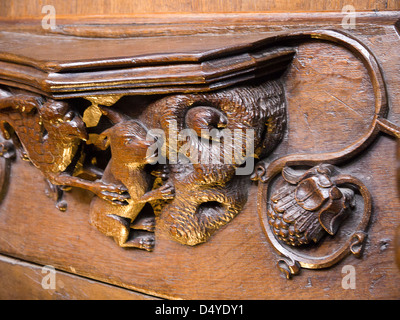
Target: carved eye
128	141
69	116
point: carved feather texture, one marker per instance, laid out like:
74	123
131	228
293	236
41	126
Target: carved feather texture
208	195
301	212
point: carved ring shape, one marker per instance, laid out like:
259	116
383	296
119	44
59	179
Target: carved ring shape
314	217
312	193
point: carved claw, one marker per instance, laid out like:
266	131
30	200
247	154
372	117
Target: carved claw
161	173
142	240
7	150
62	205
112	193
56	193
167	191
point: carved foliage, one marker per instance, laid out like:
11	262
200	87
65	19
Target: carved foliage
304	213
308	206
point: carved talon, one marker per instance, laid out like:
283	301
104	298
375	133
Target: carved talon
114	194
167	191
114	198
112	188
7	149
162	174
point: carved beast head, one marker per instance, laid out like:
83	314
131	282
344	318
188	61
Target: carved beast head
209	195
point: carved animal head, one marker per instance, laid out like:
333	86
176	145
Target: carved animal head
129	142
60	120
209	194
309	205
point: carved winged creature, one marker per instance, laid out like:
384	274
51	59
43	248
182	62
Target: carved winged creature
309	205
50	134
209	194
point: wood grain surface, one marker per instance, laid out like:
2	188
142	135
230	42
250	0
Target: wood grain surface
329	102
26	8
26	281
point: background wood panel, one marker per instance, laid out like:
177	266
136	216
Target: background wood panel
28	8
23	281
237	262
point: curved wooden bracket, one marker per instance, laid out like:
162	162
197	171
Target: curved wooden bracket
266	173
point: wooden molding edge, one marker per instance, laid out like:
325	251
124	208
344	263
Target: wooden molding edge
150	25
23	280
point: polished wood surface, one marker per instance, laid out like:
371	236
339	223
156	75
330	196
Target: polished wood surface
330	102
23	280
26	8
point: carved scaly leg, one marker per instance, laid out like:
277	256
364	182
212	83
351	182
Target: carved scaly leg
56	193
119	228
112	193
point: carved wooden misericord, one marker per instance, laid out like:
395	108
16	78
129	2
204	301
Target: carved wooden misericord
181	160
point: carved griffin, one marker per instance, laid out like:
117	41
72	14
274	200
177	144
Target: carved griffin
49	134
209	194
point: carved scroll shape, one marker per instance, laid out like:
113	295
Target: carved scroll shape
320	199
309	207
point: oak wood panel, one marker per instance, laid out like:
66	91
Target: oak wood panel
22	280
173	24
141	65
238	261
25	8
315	100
